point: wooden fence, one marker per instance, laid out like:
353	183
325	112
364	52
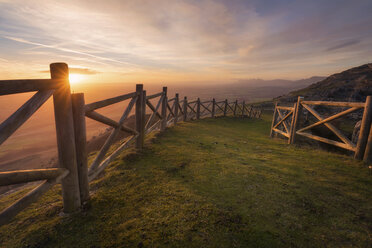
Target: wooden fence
286	121
70	111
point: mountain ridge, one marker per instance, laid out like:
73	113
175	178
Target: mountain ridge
352	85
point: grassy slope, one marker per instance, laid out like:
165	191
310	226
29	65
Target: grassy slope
213	183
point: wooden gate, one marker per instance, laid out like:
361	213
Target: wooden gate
286	122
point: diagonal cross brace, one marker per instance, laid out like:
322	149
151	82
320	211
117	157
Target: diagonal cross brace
329	125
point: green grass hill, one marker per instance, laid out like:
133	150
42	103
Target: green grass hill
211	183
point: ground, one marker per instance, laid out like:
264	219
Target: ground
211	183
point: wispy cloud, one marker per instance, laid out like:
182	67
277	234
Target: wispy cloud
343	45
64	49
220	39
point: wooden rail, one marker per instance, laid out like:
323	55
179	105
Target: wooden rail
71	111
286	121
58	87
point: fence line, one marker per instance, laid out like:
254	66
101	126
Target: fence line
288	119
71	112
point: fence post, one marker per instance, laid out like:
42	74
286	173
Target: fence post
140	116
225	109
185	108
274	120
364	129
291	128
176	107
213	107
236	104
198	109
78	104
243	108
163	123
296	116
66	138
368	152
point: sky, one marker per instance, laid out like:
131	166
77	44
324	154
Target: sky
181	41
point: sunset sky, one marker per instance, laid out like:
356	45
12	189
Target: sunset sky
184	41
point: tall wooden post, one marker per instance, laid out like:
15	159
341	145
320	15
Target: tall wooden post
213	107
273	121
296	121
140	116
185	108
198	109
78	104
243	108
368	152
292	127
163	123
225	109
176	107
364	129
66	138
235	106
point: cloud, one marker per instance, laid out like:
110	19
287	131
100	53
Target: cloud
258	38
63	49
343	45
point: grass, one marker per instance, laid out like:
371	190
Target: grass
211	183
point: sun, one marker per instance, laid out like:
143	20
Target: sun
76	78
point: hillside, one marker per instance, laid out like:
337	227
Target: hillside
211	183
352	85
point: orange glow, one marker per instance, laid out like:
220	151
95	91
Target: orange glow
76	78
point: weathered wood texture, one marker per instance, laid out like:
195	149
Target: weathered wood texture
110	140
163	124
274	120
10	125
292	127
235	107
325	140
364	129
362	149
66	138
25	176
27	85
104	103
213	108
225	108
296	116
111	157
155	111
337	132
335	104
154	95
176	103
198	109
185	108
368	152
140	116
105	120
78	104
7	214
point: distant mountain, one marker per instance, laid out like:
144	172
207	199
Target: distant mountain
278	83
352	85
250	90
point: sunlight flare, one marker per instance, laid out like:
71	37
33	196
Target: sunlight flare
76	78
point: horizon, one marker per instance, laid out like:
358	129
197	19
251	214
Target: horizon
183	41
